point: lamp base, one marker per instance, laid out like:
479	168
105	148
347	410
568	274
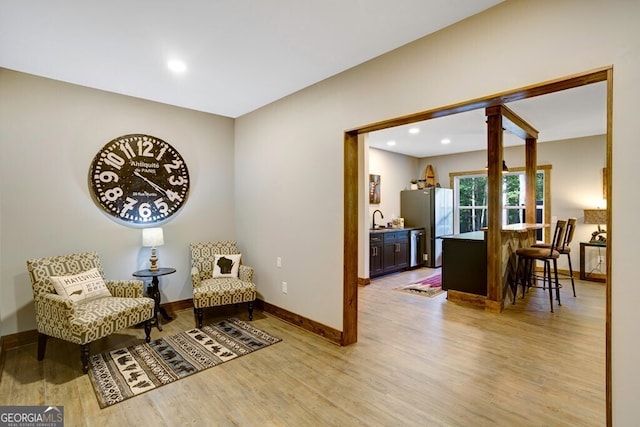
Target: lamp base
153	260
599	236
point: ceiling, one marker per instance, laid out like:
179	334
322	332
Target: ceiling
243	54
571	113
239	54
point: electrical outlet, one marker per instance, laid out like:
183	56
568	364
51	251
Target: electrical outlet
278	262
426	257
284	287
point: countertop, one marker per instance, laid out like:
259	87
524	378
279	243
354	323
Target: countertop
520	228
523	227
472	235
387	230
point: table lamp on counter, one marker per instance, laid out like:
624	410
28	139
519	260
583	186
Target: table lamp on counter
152	237
597	216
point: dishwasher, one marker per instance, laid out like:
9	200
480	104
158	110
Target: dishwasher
416	248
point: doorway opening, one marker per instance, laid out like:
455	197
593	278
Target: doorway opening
353	188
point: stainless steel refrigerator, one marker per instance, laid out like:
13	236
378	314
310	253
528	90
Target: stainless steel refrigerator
431	209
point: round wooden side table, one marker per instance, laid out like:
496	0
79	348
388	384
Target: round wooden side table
154	292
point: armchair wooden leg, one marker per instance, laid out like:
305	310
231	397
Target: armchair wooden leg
250	310
147	330
84	357
42	345
199	315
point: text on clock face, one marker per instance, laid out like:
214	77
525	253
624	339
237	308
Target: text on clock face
140	178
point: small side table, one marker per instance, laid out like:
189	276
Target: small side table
154	292
583	274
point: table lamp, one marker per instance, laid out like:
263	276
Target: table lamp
596	216
152	237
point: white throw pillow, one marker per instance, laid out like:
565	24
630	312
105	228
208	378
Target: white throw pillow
226	265
83	286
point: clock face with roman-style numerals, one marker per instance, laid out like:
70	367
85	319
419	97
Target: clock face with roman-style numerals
139	179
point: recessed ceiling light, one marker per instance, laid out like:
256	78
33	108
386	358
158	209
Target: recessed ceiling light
445	141
414	130
177	66
391	143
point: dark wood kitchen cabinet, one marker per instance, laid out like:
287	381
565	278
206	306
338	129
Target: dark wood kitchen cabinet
464	263
375	254
396	251
389	252
402	255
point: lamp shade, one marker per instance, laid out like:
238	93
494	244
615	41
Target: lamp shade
595	216
152	237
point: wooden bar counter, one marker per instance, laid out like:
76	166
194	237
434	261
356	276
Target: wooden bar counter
514	237
465	280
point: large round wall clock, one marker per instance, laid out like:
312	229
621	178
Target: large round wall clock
139	179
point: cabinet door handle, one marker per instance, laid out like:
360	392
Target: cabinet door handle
397	247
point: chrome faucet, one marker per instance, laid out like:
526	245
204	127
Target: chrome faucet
374	217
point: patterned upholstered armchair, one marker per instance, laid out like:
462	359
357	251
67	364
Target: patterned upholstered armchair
82	321
211	259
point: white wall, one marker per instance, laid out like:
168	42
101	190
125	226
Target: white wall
396	172
289	170
49	133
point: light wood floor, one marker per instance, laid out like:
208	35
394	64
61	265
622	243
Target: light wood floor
418	362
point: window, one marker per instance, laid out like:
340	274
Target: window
470	203
470	199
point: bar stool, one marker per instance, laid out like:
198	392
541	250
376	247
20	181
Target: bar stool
565	249
527	258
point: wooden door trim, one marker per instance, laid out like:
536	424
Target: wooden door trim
351	173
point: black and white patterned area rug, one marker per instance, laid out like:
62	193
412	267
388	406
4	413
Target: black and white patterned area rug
120	374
